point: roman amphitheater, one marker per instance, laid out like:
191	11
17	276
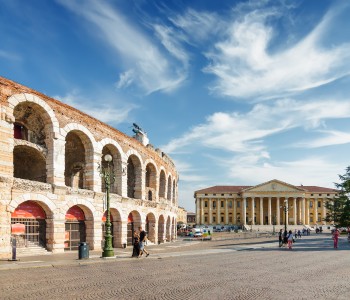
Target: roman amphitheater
51	191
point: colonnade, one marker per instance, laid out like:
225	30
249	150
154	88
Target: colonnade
268	210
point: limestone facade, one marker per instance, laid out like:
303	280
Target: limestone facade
50	155
270	203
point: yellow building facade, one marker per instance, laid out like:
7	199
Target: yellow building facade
270	203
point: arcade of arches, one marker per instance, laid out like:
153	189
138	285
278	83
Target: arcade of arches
51	192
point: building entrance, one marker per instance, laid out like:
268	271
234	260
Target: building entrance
75	229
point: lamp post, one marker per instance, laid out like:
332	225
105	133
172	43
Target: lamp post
285	207
107	174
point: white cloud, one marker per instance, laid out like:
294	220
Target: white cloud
331	137
104	112
245	68
125	79
153	70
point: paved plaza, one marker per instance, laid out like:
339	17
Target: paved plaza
222	269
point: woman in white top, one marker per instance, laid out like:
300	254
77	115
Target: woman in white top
290	239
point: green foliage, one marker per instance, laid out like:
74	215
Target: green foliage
339	207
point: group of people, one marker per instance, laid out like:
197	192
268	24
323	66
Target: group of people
286	238
140	239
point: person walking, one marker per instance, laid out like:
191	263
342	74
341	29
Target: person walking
290	239
136	246
336	238
143	239
280	238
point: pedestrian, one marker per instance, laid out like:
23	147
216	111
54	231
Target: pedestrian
280	238
136	246
335	238
143	239
290	239
285	237
299	234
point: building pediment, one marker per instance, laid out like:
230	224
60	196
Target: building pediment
274	186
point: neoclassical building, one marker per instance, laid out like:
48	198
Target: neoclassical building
270	203
51	192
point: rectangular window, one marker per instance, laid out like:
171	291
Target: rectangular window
246	203
238	203
205	219
311	204
311	219
206	203
312	194
320	194
319	204
222	219
230	219
230	204
319	219
222	204
222	194
214	194
214	219
214	204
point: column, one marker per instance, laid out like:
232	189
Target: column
253	211
269	211
234	211
198	213
295	211
323	210
218	211
202	211
244	209
303	211
286	211
307	213
261	211
299	209
278	211
226	211
210	203
315	212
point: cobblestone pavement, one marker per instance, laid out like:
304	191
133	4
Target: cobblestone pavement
204	270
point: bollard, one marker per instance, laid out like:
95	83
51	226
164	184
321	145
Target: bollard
14	250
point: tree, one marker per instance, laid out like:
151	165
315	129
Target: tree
339	207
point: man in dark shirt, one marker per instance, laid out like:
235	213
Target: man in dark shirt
143	238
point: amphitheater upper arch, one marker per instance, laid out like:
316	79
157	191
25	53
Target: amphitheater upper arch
16	99
47	204
151	161
109	141
134	152
78	127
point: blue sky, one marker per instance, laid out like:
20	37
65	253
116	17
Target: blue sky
236	92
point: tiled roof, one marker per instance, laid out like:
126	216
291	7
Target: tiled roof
317	189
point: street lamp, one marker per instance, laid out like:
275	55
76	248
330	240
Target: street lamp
285	207
107	174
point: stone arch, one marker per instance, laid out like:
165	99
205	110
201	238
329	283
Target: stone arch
174	192
47	206
79	156
36	125
49	115
133	222
162	183
116	228
151	181
134	175
151	227
169	188
173	229
88	211
116	166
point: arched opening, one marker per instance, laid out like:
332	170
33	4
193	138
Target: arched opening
169	188
151	181
29	163
173	229
75	228
151	227
77	148
29	125
134	221
168	237
29	225
134	177
116	168
161	236
162	184
174	190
